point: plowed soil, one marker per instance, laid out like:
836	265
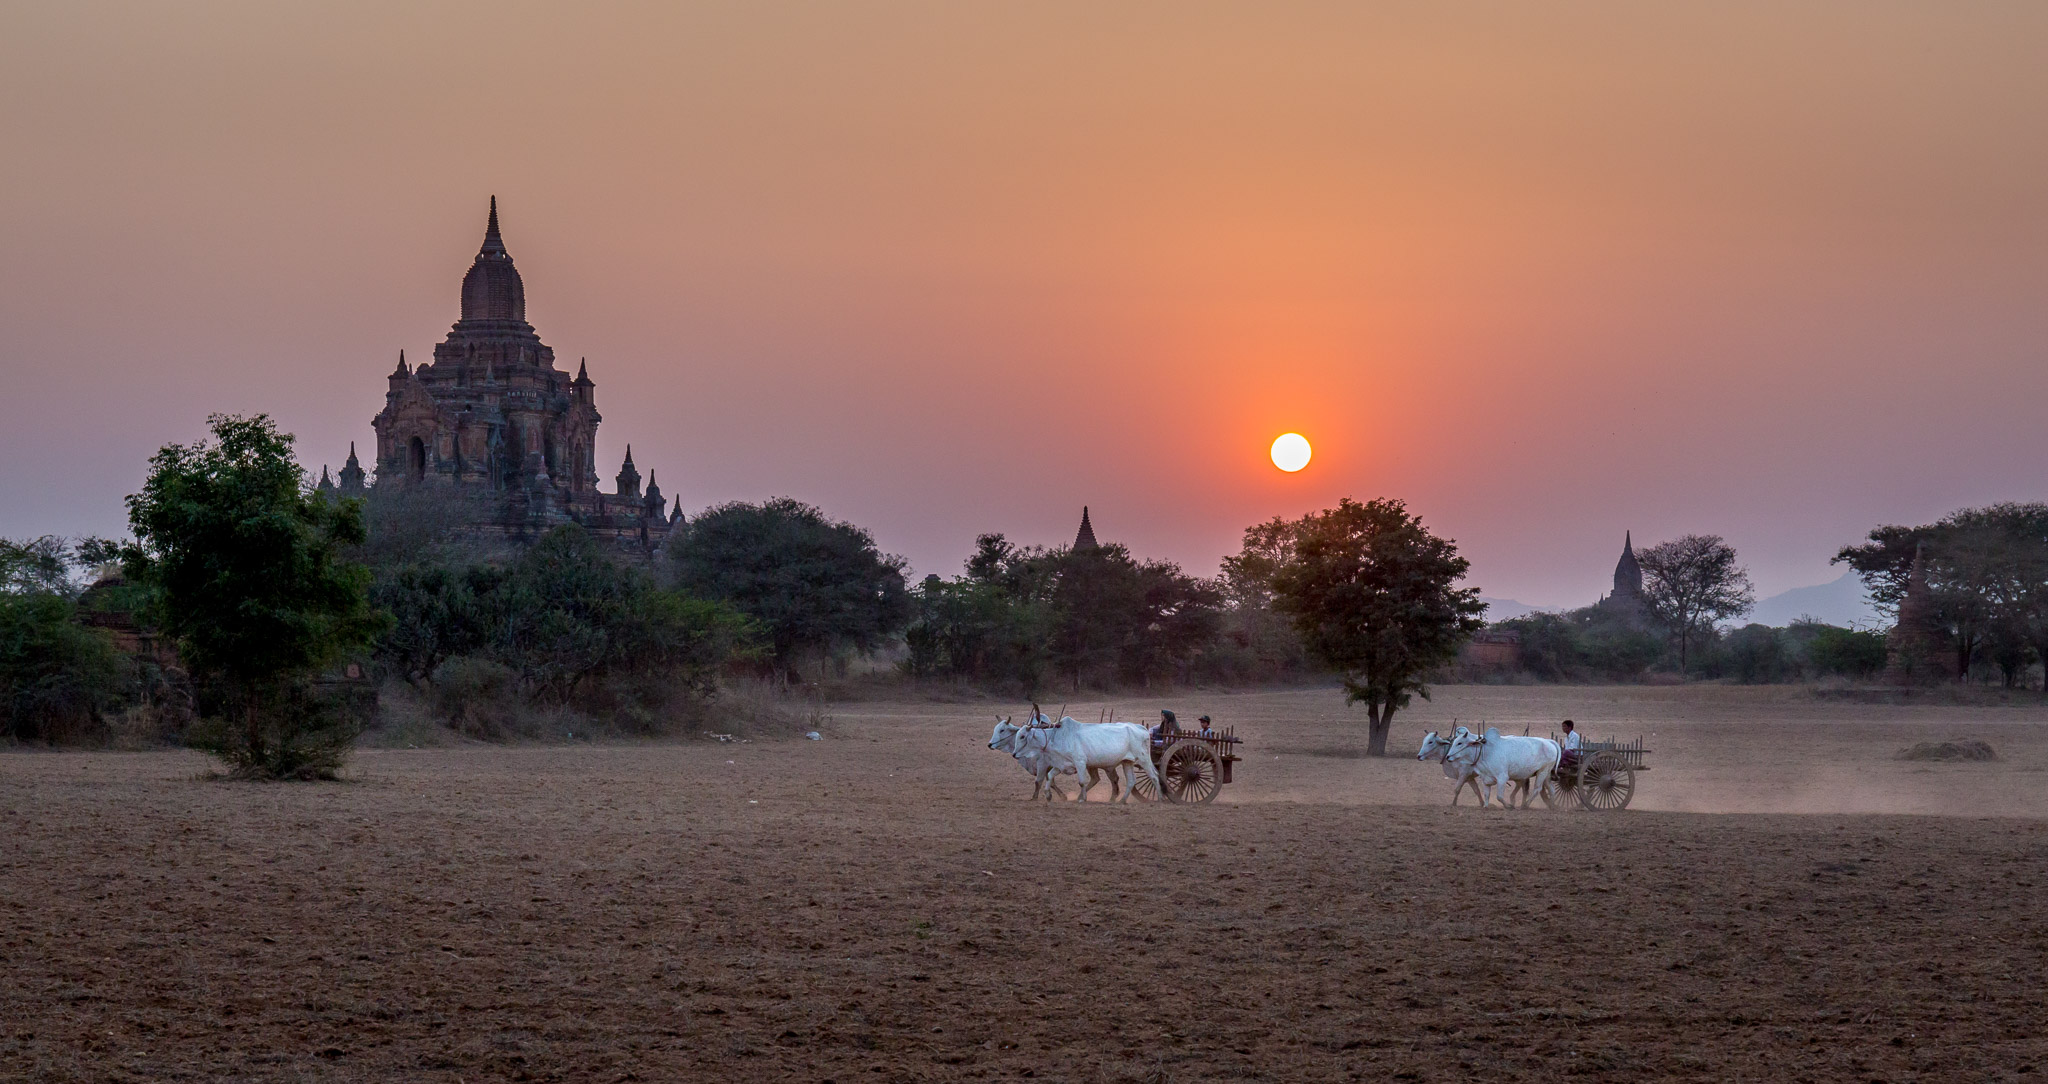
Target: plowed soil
1784	901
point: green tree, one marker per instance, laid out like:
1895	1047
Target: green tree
439	611
1692	582
1256	641
1987	573
1849	652
1589	644
815	585
992	624
37	566
57	678
566	617
1114	617
249	580
1374	596
1757	655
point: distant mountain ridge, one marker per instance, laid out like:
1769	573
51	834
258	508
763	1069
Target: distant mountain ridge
1842	602
1506	609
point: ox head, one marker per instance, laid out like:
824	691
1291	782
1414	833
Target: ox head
1004	735
1030	741
1463	740
1430	744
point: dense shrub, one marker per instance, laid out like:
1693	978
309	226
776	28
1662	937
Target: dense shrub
1847	652
1591	644
439	611
1096	615
476	697
815	587
282	730
564	624
1757	655
58	679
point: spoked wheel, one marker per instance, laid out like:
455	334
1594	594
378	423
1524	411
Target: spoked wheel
1557	795
1141	786
1606	783
1191	772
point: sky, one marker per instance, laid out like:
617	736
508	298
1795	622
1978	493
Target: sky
1548	273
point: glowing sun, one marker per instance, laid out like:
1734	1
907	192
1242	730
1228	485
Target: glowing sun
1290	452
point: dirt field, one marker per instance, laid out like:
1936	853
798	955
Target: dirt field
1784	902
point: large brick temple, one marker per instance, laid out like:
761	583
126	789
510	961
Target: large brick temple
495	425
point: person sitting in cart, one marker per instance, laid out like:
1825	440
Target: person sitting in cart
1571	745
1208	731
1168	725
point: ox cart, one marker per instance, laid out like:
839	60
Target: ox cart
1192	766
1601	778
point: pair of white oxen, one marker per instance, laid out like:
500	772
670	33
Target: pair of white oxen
1084	750
1492	762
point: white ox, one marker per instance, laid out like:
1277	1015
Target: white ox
1505	759
1004	739
1458	771
1069	745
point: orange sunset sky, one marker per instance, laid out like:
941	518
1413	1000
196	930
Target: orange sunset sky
1548	272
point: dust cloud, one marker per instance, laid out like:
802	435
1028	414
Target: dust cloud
1712	749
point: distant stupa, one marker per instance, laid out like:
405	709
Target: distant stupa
1627	601
1084	539
1915	653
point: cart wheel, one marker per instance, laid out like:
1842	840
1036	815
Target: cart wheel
1191	772
1606	783
1141	786
1557	796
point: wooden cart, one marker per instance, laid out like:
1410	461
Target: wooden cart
1601	779
1192	768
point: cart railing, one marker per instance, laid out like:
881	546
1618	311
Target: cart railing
1225	737
1631	752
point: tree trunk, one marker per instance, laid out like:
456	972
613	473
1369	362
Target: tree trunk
1380	718
252	728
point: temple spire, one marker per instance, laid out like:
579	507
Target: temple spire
352	476
1084	539
629	477
1628	543
401	370
493	243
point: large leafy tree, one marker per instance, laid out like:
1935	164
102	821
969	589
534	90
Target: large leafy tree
815	585
1116	616
1692	582
249	579
1987	573
1374	595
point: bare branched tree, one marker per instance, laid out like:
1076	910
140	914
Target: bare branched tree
1692	582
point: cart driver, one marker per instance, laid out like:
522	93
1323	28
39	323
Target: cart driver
1571	745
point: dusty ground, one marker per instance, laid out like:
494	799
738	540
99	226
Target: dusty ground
1785	902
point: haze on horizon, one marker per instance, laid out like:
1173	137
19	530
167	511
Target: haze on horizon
1773	271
